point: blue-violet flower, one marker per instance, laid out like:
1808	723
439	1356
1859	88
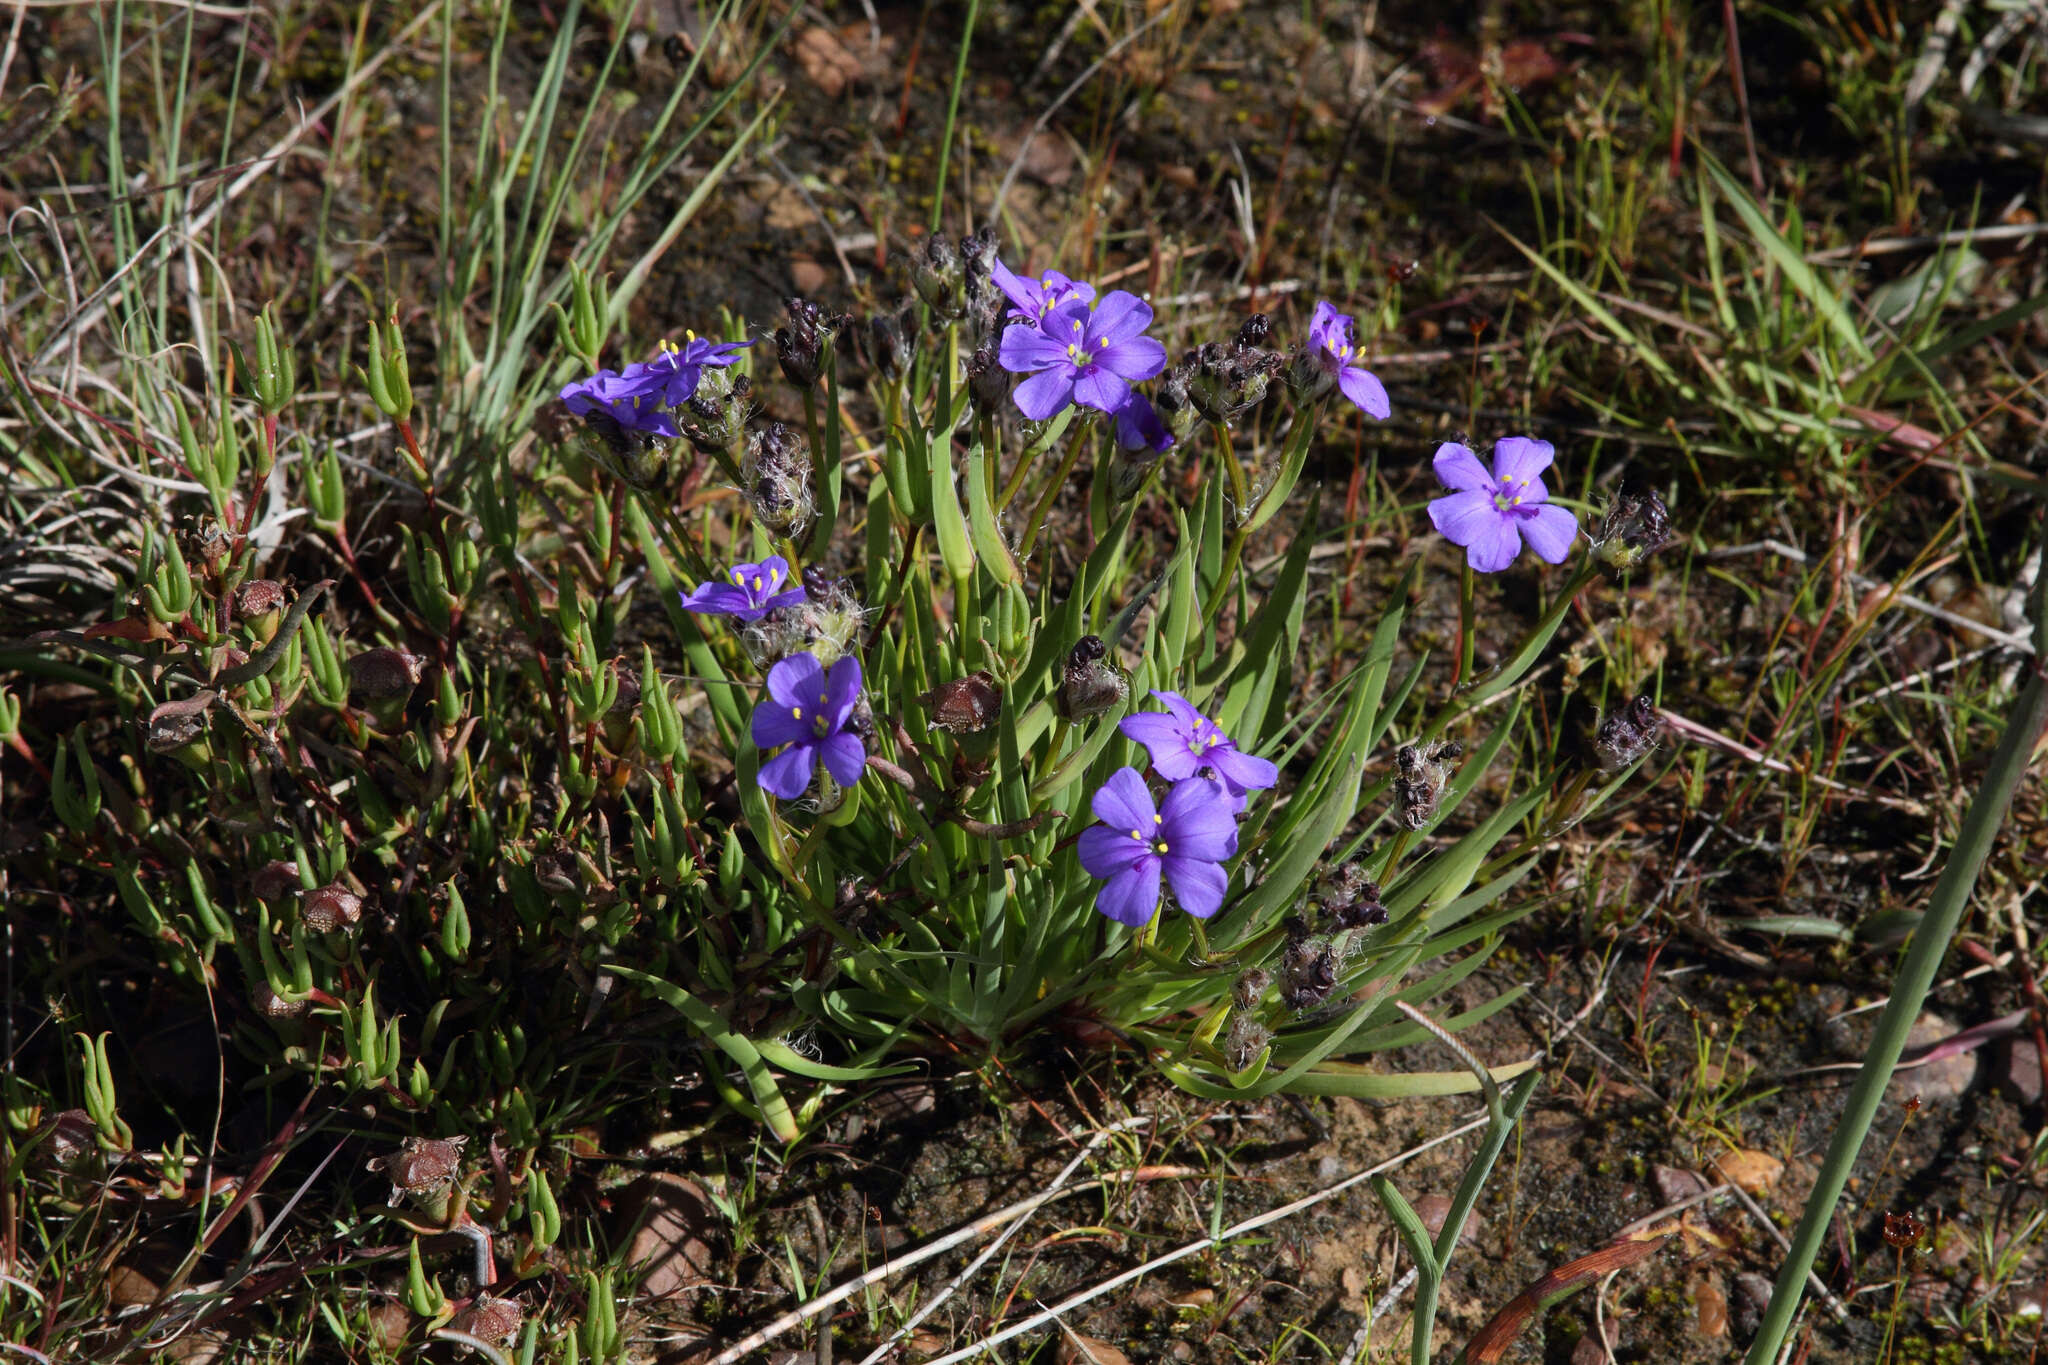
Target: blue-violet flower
1187	836
755	590
1035	298
1182	741
1078	355
1138	426
626	399
807	708
1329	344
1492	514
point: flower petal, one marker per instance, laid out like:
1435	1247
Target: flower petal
796	681
1243	771
1123	803
1138	358
788	774
717	599
1044	394
1550	531
1195	821
1464	517
773	724
841	689
1107	852
1025	349
1457	467
1132	896
1517	459
1025	294
1138	426
1118	315
1165	739
1098	389
1198	886
1363	389
845	757
1495	547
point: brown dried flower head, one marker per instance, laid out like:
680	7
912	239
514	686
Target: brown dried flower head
421	1165
331	907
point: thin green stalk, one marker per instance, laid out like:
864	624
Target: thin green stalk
1045	501
953	114
1945	909
1467	636
1532	647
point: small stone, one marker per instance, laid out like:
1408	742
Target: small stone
1750	1171
1675	1186
1076	1349
1938	1082
807	276
2019	1078
1711	1305
1432	1209
128	1287
1752	1295
672	1220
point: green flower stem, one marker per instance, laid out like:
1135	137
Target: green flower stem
1512	672
1944	914
953	113
1466	635
1031	452
1232	468
1045	501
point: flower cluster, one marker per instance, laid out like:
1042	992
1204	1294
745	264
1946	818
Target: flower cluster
1184	838
640	398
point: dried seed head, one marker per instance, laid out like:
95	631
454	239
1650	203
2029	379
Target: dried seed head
174	725
777	471
1628	734
421	1166
717	422
1249	986
1637	525
327	908
966	705
977	283
385	675
276	880
489	1319
1091	683
1308	973
1226	380
1245	1041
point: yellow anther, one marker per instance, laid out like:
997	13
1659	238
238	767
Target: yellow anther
796	713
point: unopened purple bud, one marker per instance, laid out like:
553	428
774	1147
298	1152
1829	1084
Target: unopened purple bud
1091	683
1628	734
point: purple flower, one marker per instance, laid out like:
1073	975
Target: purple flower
807	709
755	590
1329	344
1138	426
627	399
1492	514
1035	298
1076	355
1186	836
675	371
1182	741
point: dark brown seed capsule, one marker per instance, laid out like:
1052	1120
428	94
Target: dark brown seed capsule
330	907
385	674
966	705
276	880
421	1165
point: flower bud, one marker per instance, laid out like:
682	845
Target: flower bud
1308	968
1628	734
977	284
778	479
1637	525
276	880
1350	898
804	346
936	276
716	422
1229	380
490	1319
988	383
1419	786
421	1166
271	1005
965	706
890	343
330	907
1091	682
385	675
259	605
